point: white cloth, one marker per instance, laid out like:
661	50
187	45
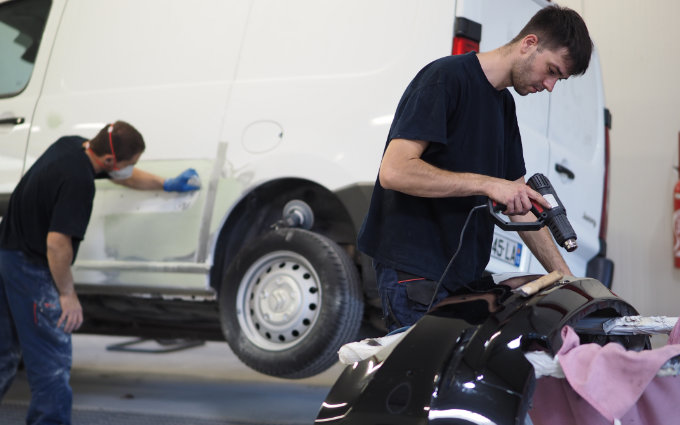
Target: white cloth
648	325
546	365
361	350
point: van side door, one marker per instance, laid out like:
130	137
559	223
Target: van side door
27	29
166	67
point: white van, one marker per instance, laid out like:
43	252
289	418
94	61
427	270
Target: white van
271	102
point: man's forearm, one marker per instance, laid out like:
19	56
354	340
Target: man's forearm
59	258
403	170
541	244
142	180
424	180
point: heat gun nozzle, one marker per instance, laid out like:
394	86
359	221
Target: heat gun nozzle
570	245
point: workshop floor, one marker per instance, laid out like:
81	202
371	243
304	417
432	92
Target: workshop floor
204	385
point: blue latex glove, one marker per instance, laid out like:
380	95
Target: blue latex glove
185	182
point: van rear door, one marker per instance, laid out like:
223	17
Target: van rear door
577	156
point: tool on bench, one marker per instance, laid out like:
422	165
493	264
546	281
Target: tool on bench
531	288
555	218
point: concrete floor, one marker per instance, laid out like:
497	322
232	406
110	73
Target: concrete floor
206	383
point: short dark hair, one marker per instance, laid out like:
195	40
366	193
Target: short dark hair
558	27
127	141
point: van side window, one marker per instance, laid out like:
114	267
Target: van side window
22	23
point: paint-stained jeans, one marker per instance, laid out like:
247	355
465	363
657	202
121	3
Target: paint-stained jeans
29	311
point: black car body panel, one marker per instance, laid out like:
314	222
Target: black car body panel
464	363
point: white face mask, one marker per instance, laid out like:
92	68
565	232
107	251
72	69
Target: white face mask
122	173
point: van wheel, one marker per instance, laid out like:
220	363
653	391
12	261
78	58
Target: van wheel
289	301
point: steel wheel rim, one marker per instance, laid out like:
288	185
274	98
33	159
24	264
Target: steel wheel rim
279	300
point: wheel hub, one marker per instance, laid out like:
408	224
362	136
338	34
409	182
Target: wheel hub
279	300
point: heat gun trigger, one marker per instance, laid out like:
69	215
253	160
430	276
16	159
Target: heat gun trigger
555	217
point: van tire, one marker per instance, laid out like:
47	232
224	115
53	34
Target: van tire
289	300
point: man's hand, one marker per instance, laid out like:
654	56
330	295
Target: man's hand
185	182
71	312
516	196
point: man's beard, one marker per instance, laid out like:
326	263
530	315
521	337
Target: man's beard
520	75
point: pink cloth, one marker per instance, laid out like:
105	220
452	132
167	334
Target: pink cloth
674	337
556	403
609	380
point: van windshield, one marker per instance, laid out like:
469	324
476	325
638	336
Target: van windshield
22	23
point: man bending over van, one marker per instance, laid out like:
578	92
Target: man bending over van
39	237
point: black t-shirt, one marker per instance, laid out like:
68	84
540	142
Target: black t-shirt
55	195
470	127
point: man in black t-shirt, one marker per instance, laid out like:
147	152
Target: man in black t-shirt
46	219
454	143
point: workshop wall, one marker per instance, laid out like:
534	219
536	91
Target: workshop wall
637	41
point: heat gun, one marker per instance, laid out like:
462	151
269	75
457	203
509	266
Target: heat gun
555	217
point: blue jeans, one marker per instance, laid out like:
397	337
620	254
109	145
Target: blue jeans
405	298
29	312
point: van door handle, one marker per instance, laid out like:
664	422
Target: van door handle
12	120
564	170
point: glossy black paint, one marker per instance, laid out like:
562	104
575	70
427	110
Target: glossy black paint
463	362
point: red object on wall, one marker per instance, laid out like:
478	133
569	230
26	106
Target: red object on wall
676	216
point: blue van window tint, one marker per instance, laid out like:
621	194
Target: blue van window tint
22	23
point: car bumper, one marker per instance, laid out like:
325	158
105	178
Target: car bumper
465	359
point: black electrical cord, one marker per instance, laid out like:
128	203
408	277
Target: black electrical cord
460	244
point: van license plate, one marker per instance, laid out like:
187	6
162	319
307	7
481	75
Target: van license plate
506	250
